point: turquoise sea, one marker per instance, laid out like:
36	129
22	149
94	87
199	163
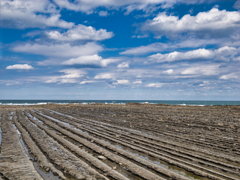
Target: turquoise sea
182	102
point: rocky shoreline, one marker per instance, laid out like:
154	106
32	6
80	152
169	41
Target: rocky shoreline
131	141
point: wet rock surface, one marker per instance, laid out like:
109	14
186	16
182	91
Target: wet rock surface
14	162
132	141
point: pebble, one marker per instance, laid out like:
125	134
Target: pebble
101	157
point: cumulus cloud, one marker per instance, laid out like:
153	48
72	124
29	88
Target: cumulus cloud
230	76
123	65
68	81
169	71
155	85
64	50
211	23
20	66
122	81
80	32
137	82
89	60
222	54
88	82
176	56
72	73
70	76
27	13
105	76
200	70
61	81
226	53
237	58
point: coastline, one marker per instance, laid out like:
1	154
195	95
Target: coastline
139	141
121	102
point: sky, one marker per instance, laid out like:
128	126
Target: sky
120	50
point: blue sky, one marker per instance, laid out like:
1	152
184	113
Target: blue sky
129	49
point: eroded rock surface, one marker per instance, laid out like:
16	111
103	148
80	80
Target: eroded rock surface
132	141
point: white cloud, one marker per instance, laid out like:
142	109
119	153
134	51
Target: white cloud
205	83
237	58
129	5
137	82
103	13
230	76
80	32
88	82
155	85
72	73
59	50
226	53
90	60
68	81
158	47
20	66
155	47
70	76
207	22
105	76
24	14
52	80
206	70
122	81
169	71
123	65
222	54
140	36
176	56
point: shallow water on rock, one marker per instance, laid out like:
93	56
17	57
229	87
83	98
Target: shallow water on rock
0	135
44	174
157	161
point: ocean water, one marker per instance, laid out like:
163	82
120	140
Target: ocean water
182	102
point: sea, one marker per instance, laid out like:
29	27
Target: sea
170	102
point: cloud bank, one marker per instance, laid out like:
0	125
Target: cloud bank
23	14
90	60
222	54
80	32
212	23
